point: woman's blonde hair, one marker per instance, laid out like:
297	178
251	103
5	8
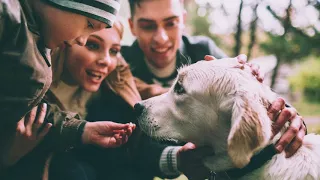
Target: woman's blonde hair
119	27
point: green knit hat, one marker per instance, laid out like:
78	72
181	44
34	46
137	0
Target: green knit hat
101	10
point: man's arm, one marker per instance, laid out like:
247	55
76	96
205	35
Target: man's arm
160	158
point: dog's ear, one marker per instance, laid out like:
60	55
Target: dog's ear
250	130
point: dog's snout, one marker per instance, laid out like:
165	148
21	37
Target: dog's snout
138	109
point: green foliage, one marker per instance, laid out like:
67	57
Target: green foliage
308	80
201	26
288	48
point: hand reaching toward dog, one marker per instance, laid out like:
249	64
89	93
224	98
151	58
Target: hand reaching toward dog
291	140
241	62
107	134
190	161
149	90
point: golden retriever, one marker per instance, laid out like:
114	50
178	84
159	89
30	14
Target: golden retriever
213	104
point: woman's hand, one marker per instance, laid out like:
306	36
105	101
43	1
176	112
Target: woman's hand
107	134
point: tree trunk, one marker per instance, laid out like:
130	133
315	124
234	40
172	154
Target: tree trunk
275	72
237	36
253	29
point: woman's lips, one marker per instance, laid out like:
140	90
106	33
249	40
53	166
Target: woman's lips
96	76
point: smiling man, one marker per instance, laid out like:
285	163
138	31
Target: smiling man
161	47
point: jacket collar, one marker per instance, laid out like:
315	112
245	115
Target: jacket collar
33	26
32	20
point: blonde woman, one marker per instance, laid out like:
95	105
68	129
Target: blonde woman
95	81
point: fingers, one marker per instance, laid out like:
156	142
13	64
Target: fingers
291	140
242	58
29	125
187	147
290	134
209	58
45	130
21	127
113	142
255	70
296	143
42	111
122	136
131	128
123	128
195	152
286	115
117	140
29	119
34	121
117	126
275	107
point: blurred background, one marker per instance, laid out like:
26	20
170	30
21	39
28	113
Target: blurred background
282	36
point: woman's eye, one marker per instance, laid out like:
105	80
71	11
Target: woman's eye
92	46
90	25
178	88
114	52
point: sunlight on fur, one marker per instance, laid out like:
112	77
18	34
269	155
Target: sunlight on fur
213	104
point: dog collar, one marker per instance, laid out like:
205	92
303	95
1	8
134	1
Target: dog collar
256	162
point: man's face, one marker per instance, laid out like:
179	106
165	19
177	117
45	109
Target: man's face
158	26
60	27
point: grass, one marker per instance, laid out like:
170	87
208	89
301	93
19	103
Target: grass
182	177
315	128
307	108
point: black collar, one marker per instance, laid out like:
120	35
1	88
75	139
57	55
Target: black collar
256	162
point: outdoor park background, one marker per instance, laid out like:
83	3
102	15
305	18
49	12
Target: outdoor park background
282	36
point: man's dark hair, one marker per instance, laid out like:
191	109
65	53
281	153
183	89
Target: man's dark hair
132	4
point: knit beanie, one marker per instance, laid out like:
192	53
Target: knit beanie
101	10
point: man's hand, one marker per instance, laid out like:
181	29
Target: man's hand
107	134
241	62
149	90
291	140
29	133
190	161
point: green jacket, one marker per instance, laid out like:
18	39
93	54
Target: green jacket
26	75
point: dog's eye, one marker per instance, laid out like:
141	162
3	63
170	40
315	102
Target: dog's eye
178	88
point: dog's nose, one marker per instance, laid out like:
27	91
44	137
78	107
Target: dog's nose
138	109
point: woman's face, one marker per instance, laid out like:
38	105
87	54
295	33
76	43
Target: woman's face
89	65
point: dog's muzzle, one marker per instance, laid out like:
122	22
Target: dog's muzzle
138	109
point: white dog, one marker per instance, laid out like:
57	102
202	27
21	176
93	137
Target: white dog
213	104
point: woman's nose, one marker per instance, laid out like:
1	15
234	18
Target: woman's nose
105	61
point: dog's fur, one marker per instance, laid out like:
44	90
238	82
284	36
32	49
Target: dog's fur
213	104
